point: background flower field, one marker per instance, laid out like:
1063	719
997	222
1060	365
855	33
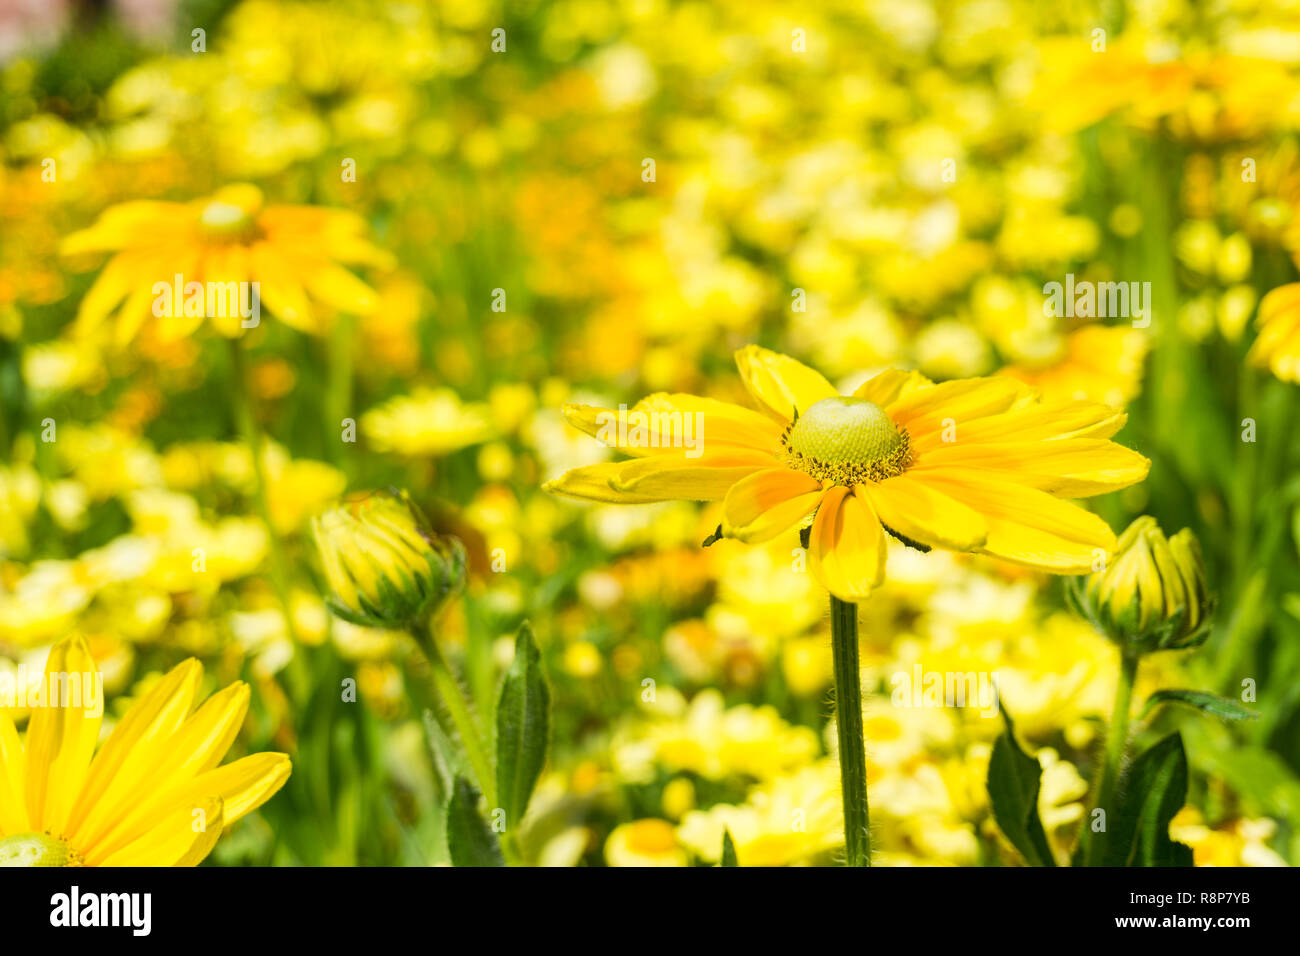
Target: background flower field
608	199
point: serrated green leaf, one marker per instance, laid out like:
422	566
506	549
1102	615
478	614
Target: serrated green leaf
1151	792
728	850
1202	701
469	840
1013	783
523	727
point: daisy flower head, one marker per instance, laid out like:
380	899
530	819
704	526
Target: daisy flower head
971	465
175	263
153	794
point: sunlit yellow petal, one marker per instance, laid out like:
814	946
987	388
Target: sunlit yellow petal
767	503
781	384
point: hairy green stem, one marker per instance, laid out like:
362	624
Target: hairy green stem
1116	738
848	723
451	696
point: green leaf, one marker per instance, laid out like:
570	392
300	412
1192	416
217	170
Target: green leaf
1013	792
1151	792
469	841
1202	701
728	849
523	727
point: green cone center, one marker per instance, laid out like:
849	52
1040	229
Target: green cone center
36	849
847	441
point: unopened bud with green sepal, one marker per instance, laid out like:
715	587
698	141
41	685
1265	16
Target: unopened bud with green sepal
1152	595
384	566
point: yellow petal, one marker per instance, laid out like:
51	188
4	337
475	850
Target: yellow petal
890	385
181	838
198	745
1035	422
1027	526
61	739
768	502
592	483
13	777
706	478
958	403
719	424
846	547
915	510
780	383
117	774
1067	467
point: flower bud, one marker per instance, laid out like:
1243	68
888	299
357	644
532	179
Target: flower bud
1152	596
384	566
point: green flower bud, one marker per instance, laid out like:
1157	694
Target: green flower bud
384	565
1152	596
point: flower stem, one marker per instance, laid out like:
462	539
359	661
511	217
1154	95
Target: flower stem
1116	738
848	723
451	696
252	437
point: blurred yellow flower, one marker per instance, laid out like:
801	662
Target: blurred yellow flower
427	422
292	253
644	843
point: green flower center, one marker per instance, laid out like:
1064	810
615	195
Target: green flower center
37	849
847	441
231	213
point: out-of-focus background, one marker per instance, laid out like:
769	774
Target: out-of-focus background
608	204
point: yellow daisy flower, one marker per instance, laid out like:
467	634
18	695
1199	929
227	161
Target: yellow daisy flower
968	465
293	253
152	796
1097	362
1278	344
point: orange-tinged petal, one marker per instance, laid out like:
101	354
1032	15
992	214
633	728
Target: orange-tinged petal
781	384
768	502
846	546
915	510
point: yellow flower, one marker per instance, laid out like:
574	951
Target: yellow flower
1098	364
790	820
293	253
427	422
383	564
644	843
1278	344
152	796
968	465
